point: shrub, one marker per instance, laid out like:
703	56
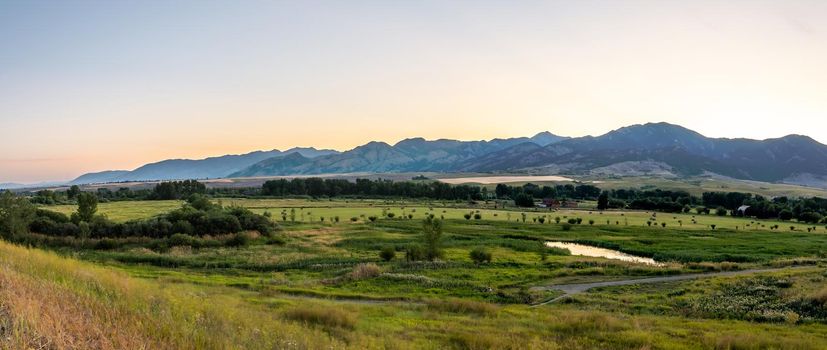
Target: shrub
480	255
180	239
556	251
579	220
184	227
372	218
566	227
721	211
467	216
391	215
477	216
327	317
591	222
810	217
524	200
414	253
275	240
572	221
432	238
106	244
354	219
241	239
52	215
387	253
364	271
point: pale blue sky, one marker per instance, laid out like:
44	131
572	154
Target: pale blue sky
94	85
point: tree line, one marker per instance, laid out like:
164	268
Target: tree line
317	187
810	210
197	217
161	191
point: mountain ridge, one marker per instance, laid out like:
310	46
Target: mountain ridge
204	168
660	148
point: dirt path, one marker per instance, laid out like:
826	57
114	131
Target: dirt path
571	289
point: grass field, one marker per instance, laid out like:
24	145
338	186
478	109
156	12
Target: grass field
127	210
696	185
311	211
316	291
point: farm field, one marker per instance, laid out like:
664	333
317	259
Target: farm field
325	284
310	211
126	210
695	185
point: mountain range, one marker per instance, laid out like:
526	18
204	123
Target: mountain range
653	148
208	168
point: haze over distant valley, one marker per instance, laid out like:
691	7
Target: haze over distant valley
652	149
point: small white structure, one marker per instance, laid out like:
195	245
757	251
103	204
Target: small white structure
742	210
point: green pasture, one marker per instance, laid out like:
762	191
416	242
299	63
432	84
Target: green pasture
308	284
307	210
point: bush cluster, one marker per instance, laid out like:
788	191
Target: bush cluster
196	218
480	255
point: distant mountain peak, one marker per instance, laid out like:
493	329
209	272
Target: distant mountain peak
373	145
411	140
546	138
656	146
657	127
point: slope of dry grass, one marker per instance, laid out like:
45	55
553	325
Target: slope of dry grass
50	302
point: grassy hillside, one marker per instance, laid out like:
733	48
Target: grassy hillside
323	284
52	302
47	301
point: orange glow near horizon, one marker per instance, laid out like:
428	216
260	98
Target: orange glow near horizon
115	86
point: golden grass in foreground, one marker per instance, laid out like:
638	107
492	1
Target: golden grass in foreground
462	306
49	302
326	317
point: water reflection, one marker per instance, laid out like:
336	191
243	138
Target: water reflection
585	250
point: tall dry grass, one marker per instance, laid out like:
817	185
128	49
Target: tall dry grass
820	296
322	316
365	271
51	302
461	306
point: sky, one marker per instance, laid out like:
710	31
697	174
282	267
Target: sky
95	85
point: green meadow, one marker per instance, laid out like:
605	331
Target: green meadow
325	284
325	211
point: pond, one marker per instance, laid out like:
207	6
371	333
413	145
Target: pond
585	250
